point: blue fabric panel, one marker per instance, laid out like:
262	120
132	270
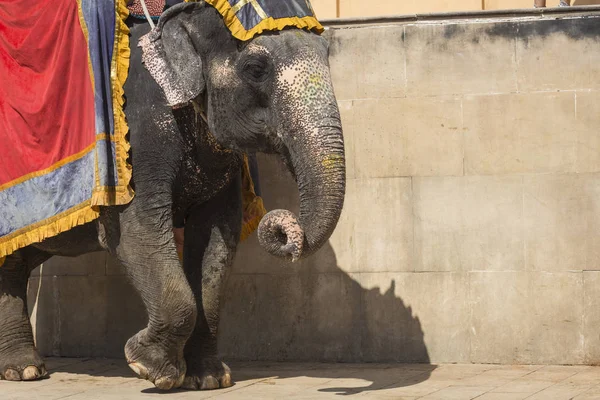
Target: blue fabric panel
46	196
273	8
100	17
107	164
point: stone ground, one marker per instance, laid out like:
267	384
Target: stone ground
101	379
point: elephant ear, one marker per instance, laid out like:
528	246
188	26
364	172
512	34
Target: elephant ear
171	58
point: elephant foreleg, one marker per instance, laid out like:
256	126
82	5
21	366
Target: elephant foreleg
147	250
19	359
212	232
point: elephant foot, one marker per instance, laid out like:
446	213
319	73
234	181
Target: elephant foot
150	360
26	367
209	374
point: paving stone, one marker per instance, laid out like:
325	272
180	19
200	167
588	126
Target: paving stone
458	393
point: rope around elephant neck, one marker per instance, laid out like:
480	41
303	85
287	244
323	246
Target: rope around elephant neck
147	14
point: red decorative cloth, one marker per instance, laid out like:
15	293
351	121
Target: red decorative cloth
46	94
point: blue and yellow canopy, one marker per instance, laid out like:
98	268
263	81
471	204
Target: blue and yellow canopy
248	18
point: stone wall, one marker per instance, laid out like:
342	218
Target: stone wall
471	230
361	8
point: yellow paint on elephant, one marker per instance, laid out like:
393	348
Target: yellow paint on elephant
332	160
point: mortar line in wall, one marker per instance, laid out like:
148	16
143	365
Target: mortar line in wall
474	94
583	324
405	62
480	175
413	258
516	69
470	302
523	223
464	134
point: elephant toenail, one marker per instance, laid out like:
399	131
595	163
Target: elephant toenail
180	381
164	383
139	369
209	383
31	373
11	375
190	383
226	381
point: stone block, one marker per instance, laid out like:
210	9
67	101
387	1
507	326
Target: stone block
339	253
588	121
277	310
468	223
82	315
365	66
526	318
90	264
126	315
591	319
406	137
324	8
334	317
449	59
509	4
42	299
547	50
382	210
562	223
412	317
346	109
240	318
357	8
290	317
514	133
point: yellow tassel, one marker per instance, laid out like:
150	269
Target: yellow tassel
252	204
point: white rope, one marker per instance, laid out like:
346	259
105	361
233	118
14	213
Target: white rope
147	14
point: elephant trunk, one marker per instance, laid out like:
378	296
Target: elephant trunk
314	142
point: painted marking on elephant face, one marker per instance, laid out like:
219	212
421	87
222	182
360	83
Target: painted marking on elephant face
223	74
305	86
254	48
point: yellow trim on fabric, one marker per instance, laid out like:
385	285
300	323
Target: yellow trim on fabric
269	24
106	137
35	233
52	168
123	193
259	10
86	34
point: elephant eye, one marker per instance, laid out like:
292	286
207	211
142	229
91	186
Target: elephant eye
256	70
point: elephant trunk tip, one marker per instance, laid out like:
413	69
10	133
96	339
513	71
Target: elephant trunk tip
280	234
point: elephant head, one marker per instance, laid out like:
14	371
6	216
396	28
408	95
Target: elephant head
271	94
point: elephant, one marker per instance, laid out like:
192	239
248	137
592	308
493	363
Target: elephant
271	94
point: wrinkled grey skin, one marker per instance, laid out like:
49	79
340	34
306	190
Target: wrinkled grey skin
272	94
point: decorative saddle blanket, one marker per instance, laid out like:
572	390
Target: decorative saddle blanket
248	18
63	150
63	146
